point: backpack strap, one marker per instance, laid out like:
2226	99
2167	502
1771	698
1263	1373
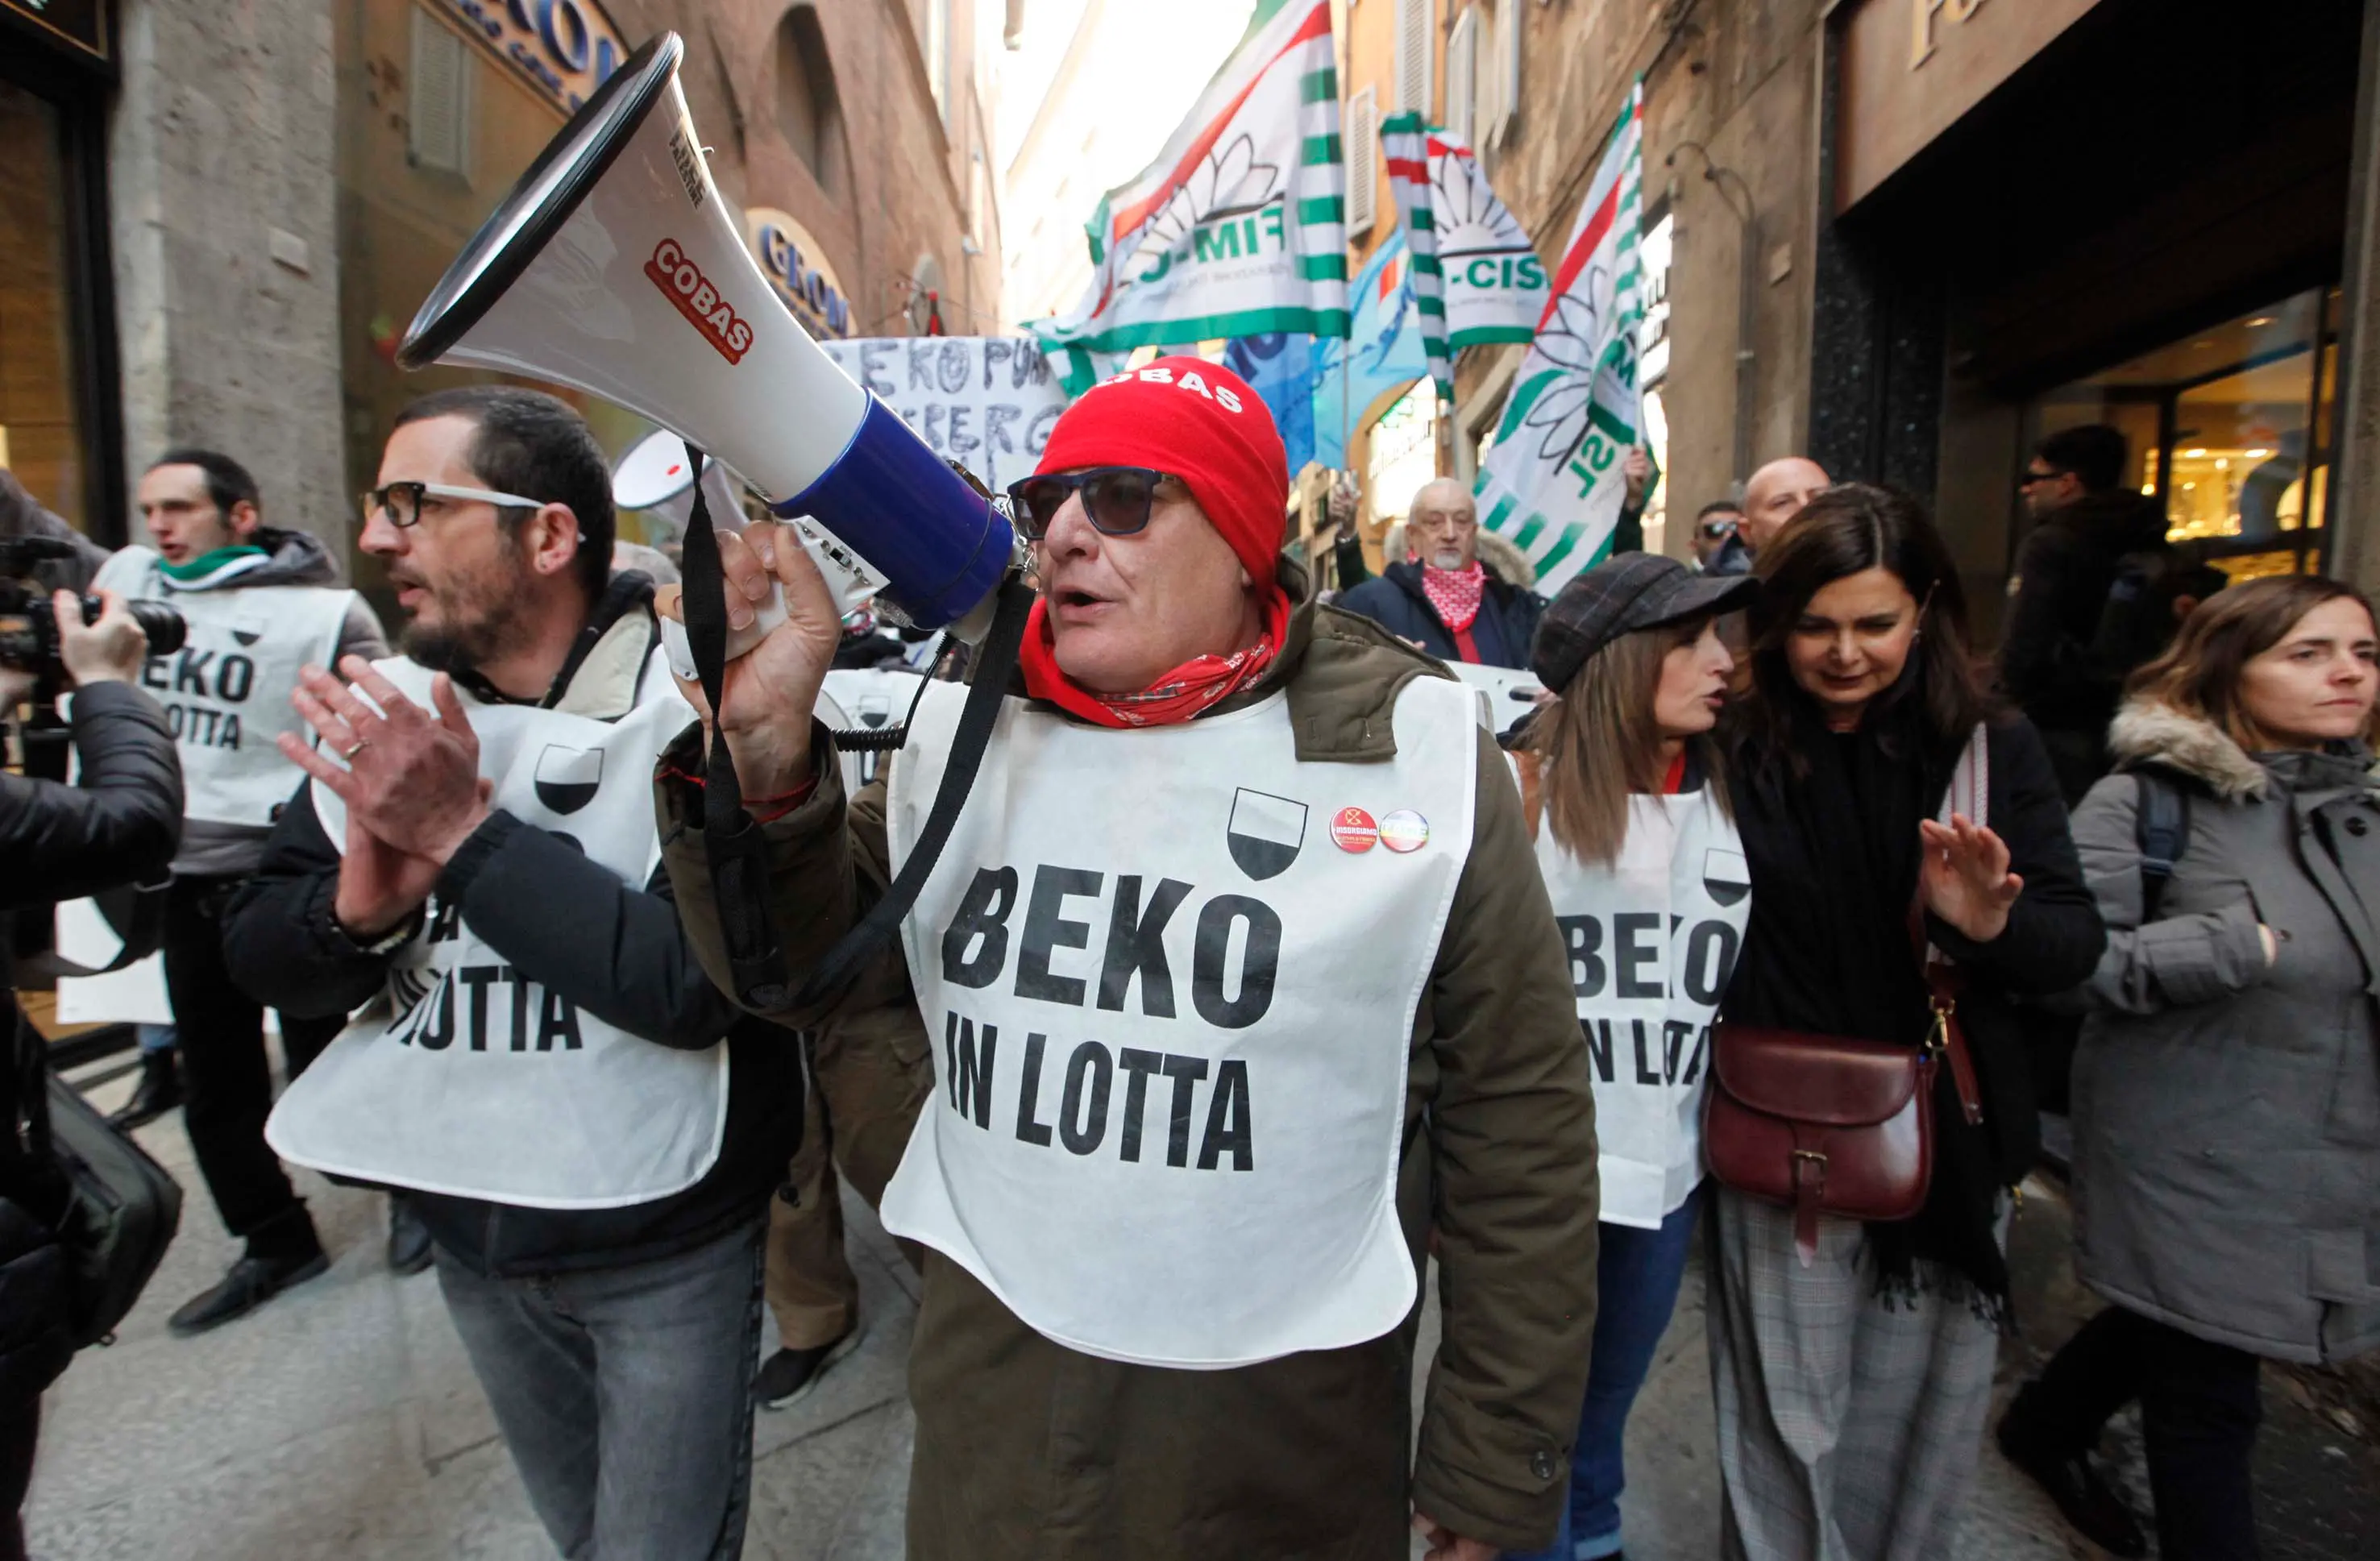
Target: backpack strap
2161	827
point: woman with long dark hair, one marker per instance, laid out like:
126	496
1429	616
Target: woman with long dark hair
1853	1360
2226	1111
1647	876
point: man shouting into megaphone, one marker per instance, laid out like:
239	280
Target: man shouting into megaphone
1238	979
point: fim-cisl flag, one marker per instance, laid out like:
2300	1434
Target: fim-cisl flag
1239	227
1405	140
1495	283
1551	483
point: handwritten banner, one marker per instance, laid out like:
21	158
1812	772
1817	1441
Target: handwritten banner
986	401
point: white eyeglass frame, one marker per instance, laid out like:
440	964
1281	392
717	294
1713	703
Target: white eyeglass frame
375	500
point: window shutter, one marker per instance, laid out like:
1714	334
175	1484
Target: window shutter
1511	24
1413	31
1361	143
438	111
1462	72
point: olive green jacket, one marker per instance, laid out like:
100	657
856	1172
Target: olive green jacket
1027	1449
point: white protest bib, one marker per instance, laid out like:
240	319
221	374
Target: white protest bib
470	1078
1171	975
226	691
1652	940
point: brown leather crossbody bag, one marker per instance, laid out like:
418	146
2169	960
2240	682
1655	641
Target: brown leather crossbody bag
1825	1124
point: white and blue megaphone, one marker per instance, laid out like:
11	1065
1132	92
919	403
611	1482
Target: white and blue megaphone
614	266
656	476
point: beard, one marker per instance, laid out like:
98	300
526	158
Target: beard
1449	560
480	620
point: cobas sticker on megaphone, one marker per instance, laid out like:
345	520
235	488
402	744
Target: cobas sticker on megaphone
699	300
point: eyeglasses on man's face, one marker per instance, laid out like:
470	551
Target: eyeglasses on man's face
401	503
2027	478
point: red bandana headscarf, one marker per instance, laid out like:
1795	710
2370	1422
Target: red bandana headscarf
1203	424
1454	593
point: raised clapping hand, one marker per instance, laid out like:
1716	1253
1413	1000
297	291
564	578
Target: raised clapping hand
767	695
1445	1544
410	781
1964	877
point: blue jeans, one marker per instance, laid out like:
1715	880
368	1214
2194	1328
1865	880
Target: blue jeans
624	1395
1636	1278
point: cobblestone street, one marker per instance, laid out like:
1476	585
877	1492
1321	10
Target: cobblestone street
342	1421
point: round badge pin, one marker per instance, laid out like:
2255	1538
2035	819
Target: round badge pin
1351	830
1405	831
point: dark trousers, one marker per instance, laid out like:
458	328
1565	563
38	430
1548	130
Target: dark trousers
227	1078
20	1420
2199	1412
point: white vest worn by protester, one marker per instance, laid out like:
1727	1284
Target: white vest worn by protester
226	691
1171	976
468	1078
1652	940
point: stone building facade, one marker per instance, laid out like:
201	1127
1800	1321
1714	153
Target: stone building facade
221	221
1910	237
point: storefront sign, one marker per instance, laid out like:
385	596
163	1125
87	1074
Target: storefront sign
78	25
563	49
986	401
790	257
1910	68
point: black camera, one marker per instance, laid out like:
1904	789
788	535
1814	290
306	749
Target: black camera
29	629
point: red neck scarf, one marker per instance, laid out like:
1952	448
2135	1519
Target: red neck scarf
1454	593
1190	689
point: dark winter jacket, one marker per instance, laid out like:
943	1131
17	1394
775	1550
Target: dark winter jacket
211	849
2226	1109
60	842
22	515
1507	621
569	924
2054	662
1829	827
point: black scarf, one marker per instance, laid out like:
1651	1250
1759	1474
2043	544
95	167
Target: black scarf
1830	827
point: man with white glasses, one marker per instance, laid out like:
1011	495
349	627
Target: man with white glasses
588	1130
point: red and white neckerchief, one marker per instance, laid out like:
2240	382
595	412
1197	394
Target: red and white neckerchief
1454	593
1188	690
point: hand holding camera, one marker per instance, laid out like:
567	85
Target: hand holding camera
110	649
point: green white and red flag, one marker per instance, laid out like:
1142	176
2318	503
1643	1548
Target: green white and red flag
1404	141
1495	283
1238	228
1551	482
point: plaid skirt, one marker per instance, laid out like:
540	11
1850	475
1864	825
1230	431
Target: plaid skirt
1849	1425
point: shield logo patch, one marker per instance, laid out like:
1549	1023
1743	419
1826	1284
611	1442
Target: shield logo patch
1266	832
1726	876
567	778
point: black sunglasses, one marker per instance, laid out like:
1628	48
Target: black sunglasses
1714	529
1116	498
2027	478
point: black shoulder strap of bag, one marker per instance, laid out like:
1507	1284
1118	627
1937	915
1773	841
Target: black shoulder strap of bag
987	687
738	851
2161	826
137	915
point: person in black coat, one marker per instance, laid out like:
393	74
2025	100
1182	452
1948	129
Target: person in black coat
1866	718
1444	600
2091	535
122	823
